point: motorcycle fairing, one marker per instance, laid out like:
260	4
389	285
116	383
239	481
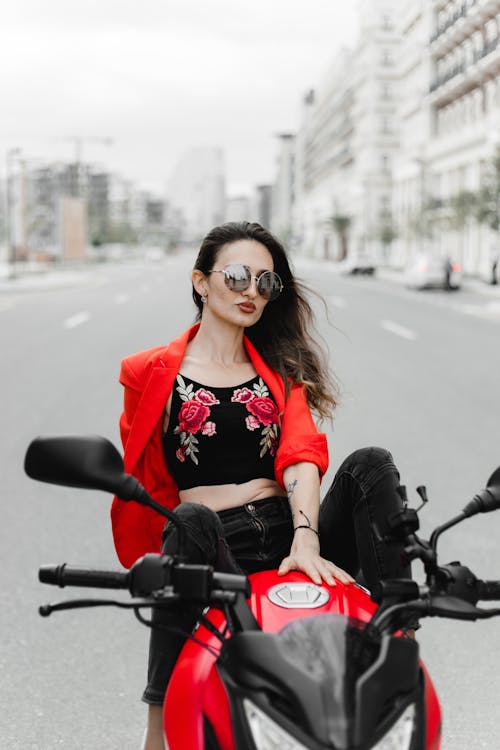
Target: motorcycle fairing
196	691
309	676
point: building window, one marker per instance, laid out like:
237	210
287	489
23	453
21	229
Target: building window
386	57
387	24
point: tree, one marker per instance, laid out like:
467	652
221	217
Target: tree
487	205
341	224
463	205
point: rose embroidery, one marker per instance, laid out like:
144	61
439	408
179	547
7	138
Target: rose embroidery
192	417
208	429
242	395
205	397
263	411
252	423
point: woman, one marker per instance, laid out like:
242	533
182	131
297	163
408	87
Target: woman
218	425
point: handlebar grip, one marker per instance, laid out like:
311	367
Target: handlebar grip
64	575
489	590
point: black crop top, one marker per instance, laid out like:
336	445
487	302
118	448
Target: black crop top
221	435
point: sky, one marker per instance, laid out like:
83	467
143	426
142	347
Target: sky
139	82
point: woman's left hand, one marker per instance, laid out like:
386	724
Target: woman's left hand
307	559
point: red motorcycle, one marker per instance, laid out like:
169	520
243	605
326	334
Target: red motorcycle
280	662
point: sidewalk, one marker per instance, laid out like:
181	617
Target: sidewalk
396	276
468	282
36	277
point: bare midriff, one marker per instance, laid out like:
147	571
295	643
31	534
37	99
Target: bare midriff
223	496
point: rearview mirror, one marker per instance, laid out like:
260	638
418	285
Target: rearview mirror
486	500
90	462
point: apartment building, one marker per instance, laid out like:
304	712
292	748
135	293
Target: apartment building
450	128
345	146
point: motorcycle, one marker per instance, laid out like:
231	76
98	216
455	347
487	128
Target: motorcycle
280	662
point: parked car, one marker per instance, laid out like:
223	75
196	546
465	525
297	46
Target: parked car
357	263
429	271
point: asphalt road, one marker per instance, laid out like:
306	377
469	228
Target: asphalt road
419	374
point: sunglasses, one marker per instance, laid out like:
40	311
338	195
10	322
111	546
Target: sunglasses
238	278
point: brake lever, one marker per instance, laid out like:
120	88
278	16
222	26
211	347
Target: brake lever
455	608
45	610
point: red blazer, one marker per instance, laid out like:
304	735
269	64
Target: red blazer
148	378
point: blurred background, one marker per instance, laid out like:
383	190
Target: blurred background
366	135
363	130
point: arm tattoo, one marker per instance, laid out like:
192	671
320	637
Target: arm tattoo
290	489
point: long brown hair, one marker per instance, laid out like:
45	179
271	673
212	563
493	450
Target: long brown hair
285	335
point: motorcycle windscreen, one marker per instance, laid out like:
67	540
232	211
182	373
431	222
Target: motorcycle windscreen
360	680
331	650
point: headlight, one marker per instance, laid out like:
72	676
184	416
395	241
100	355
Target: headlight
266	734
399	735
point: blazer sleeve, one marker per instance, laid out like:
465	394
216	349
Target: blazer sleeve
136	529
300	439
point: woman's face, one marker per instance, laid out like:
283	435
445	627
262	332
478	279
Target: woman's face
240	308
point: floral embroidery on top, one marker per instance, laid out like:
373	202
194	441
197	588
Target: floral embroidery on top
193	416
263	412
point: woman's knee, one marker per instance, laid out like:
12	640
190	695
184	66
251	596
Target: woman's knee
202	528
367	459
196	515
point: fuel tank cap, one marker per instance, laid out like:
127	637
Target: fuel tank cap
298	595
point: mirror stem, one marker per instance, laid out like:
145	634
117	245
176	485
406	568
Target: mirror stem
439	530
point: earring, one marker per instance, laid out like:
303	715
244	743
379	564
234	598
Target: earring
204	299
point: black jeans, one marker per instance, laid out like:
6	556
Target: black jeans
257	536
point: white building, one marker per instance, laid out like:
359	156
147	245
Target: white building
197	191
450	128
238	208
282	196
346	144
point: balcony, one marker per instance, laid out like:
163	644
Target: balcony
464	21
460	12
462	77
487	49
445	77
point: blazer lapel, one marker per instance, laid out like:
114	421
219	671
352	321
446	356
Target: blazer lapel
154	397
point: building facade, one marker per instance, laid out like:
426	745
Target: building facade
197	192
346	144
398	149
449	83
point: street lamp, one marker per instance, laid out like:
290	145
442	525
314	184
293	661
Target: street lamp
12	153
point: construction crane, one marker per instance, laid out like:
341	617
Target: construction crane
79	140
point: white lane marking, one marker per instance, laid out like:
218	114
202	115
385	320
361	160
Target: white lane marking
490	310
338	302
398	330
120	298
77	319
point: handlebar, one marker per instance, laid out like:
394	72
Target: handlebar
65	575
151	575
